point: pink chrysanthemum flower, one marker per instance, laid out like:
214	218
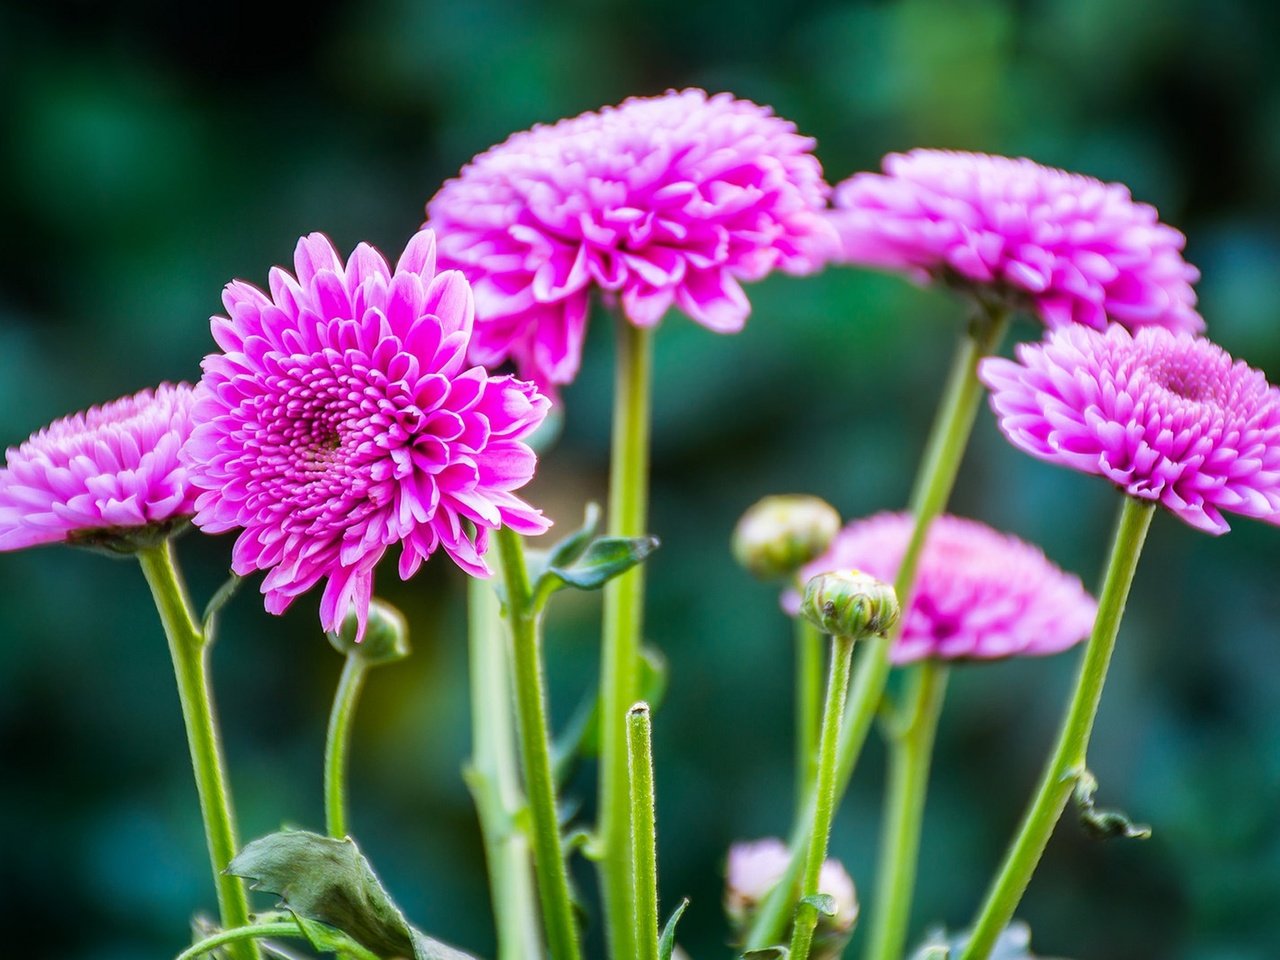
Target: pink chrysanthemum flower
660	200
979	594
755	867
342	419
1069	248
1164	416
108	477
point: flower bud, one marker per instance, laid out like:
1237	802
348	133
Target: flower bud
779	535
754	868
850	603
386	635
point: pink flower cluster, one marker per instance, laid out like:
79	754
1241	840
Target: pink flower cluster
1073	249
1163	416
111	469
342	418
979	594
658	201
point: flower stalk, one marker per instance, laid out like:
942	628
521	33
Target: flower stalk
808	706
644	852
337	745
1068	759
190	655
824	795
910	753
535	750
948	439
623	616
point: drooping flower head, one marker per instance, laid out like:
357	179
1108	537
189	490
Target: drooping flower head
660	200
108	477
979	594
1069	248
755	867
1163	416
342	418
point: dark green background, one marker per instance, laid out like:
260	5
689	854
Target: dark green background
150	152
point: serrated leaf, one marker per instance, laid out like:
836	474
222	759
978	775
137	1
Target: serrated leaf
667	942
330	881
824	903
1103	824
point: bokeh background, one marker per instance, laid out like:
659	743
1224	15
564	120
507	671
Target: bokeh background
151	151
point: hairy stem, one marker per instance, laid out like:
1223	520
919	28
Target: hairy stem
644	852
337	745
808	706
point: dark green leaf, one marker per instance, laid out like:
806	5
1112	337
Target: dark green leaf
767	953
667	942
575	544
209	623
1103	824
592	566
330	881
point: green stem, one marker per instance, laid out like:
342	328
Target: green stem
260	931
191	668
910	751
1068	758
948	438
337	745
824	795
623	613
808	706
644	851
494	780
535	751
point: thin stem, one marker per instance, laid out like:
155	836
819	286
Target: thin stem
948	438
1068	758
824	795
910	751
260	931
191	669
494	780
337	746
644	851
808	706
623	613
535	751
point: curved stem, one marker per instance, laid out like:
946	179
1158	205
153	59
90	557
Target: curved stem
644	852
623	614
824	795
494	780
910	751
1068	758
535	751
191	669
808	706
948	438
260	931
337	745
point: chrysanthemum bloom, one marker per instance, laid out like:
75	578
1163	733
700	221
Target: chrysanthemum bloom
753	868
109	477
979	594
661	200
1163	416
342	419
1069	248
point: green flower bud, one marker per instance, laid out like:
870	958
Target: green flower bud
386	636
850	603
780	534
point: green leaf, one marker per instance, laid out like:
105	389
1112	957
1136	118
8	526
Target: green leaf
824	903
1103	824
572	547
209	622
585	561
329	881
667	942
767	953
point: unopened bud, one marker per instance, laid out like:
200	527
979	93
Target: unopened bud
386	635
850	603
779	535
753	869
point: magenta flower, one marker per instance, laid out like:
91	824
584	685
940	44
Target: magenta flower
1163	416
660	200
342	419
109	476
1069	248
979	594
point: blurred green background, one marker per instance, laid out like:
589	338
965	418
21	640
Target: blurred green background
150	152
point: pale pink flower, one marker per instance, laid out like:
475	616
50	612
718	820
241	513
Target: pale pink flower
342	419
755	867
658	201
1069	248
1166	417
979	594
108	477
